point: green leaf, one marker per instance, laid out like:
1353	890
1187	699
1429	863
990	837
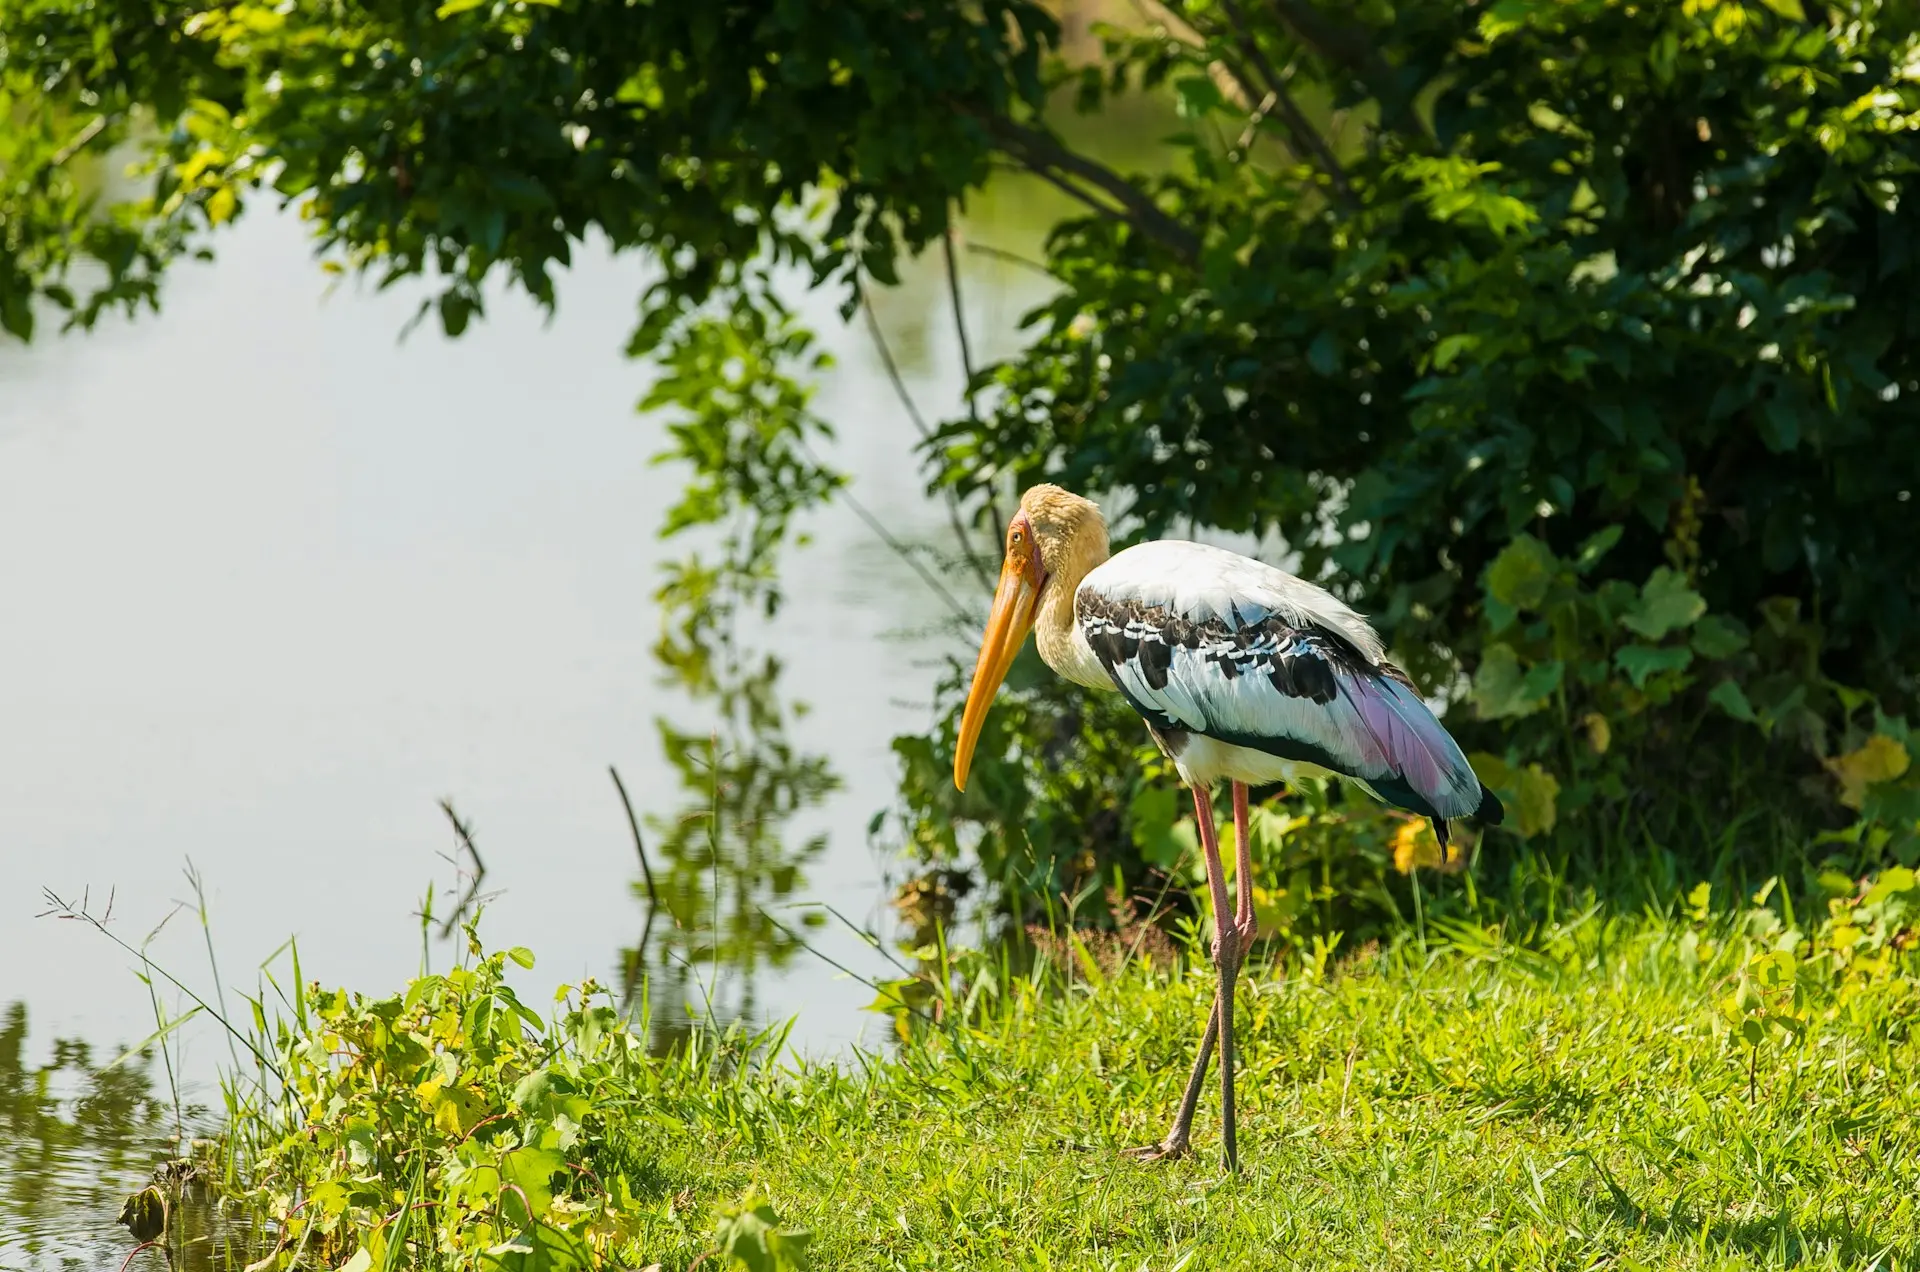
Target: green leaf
1779	424
1666	603
1732	699
452	7
755	1239
1789	9
531	1170
1521	574
456	310
1596	547
1642	661
1196	96
1878	759
1153	819
1531	794
1504	17
521	955
1502	690
1449	349
1323	355
1717	636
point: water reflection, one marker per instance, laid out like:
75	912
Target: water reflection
77	1138
729	859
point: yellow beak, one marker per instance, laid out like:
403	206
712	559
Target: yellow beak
1007	628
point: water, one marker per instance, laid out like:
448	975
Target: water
276	584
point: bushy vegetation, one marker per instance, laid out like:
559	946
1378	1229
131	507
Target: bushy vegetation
1573	368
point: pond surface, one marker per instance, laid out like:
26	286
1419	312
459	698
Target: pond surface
277	583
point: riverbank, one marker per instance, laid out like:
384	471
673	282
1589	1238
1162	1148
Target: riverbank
1701	1090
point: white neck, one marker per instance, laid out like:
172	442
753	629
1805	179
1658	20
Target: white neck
1057	634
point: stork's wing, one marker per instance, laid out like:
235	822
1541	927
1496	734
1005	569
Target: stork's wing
1210	642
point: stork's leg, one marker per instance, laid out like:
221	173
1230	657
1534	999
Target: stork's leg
1236	937
1242	867
1175	1144
1219	1020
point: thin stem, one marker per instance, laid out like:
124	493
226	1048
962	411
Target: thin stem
637	965
900	549
1012	258
80	141
639	846
213	964
801	941
58	908
960	322
463	833
713	850
900	390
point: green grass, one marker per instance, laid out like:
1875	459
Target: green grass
1591	1100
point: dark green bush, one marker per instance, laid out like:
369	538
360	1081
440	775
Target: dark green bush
1586	369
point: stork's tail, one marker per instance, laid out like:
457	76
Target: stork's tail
1428	773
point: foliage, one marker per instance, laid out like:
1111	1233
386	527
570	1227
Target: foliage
1580	369
483	136
1584	1090
453	1126
1582	288
1569	339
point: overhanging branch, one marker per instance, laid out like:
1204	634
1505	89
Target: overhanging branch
1349	47
1305	136
1043	155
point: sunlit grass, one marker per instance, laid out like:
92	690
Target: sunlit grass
1421	1111
1593	1099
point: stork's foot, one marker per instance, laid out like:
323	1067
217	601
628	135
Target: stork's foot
1168	1149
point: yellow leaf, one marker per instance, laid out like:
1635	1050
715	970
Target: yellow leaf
221	205
1599	732
1414	846
457	1113
1879	759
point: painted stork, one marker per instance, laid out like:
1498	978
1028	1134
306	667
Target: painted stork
1244	674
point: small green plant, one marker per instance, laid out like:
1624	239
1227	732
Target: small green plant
752	1237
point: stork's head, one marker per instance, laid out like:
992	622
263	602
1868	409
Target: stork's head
1051	543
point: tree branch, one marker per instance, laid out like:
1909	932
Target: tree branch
79	142
1045	156
1349	46
1299	127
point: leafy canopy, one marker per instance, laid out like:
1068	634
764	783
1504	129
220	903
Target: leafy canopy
1572	338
